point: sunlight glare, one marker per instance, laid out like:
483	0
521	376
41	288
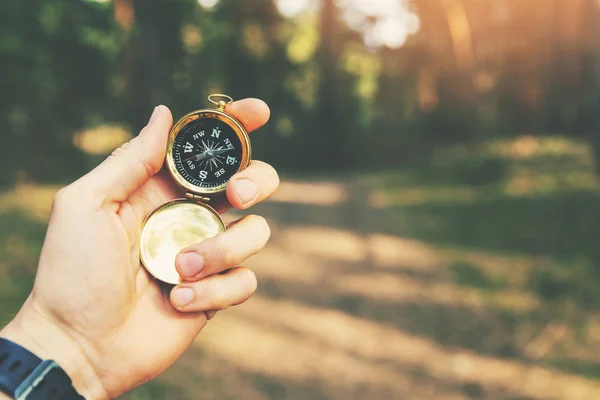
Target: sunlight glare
391	33
208	4
292	8
386	23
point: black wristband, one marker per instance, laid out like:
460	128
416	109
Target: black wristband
23	375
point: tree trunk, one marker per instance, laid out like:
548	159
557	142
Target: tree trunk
589	119
145	73
328	145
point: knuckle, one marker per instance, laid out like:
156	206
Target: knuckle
118	152
121	150
250	282
226	254
220	296
62	198
133	158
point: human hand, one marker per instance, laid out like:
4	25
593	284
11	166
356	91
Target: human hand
93	308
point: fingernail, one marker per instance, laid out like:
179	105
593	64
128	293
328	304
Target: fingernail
246	190
182	296
155	114
189	264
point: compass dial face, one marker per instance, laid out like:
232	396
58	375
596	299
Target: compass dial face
207	152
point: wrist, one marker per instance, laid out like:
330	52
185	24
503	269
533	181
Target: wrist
49	342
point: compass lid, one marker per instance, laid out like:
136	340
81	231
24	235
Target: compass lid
170	229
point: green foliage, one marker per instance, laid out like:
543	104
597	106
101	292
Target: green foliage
336	103
21	239
156	390
339	106
532	224
471	275
53	78
474	170
557	226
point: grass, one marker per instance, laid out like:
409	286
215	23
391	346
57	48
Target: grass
21	238
532	198
512	227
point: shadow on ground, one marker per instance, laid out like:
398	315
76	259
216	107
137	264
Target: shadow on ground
391	288
361	302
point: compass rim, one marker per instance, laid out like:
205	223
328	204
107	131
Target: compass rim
228	119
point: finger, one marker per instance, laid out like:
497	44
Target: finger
252	185
134	163
215	292
252	113
245	238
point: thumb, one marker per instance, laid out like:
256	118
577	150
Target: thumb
133	164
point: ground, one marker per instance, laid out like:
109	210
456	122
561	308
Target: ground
401	285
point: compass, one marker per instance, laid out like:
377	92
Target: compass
204	150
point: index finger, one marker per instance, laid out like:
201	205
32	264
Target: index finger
252	113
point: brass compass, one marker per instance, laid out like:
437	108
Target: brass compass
205	149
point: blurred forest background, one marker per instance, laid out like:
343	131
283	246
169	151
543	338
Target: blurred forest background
436	233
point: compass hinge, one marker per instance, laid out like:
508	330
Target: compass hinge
196	198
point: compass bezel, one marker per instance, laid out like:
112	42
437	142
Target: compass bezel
222	116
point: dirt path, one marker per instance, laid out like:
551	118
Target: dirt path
348	310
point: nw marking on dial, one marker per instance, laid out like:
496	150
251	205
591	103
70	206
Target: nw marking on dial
207	152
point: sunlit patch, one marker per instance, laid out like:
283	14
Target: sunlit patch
101	139
323	253
326	346
543	343
325	242
592	330
484	81
412	196
366	67
304	40
298	337
292	8
192	38
33	200
389	251
284	126
516	301
392	32
384	23
520	186
254	40
317	193
528	146
304	83
208	4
